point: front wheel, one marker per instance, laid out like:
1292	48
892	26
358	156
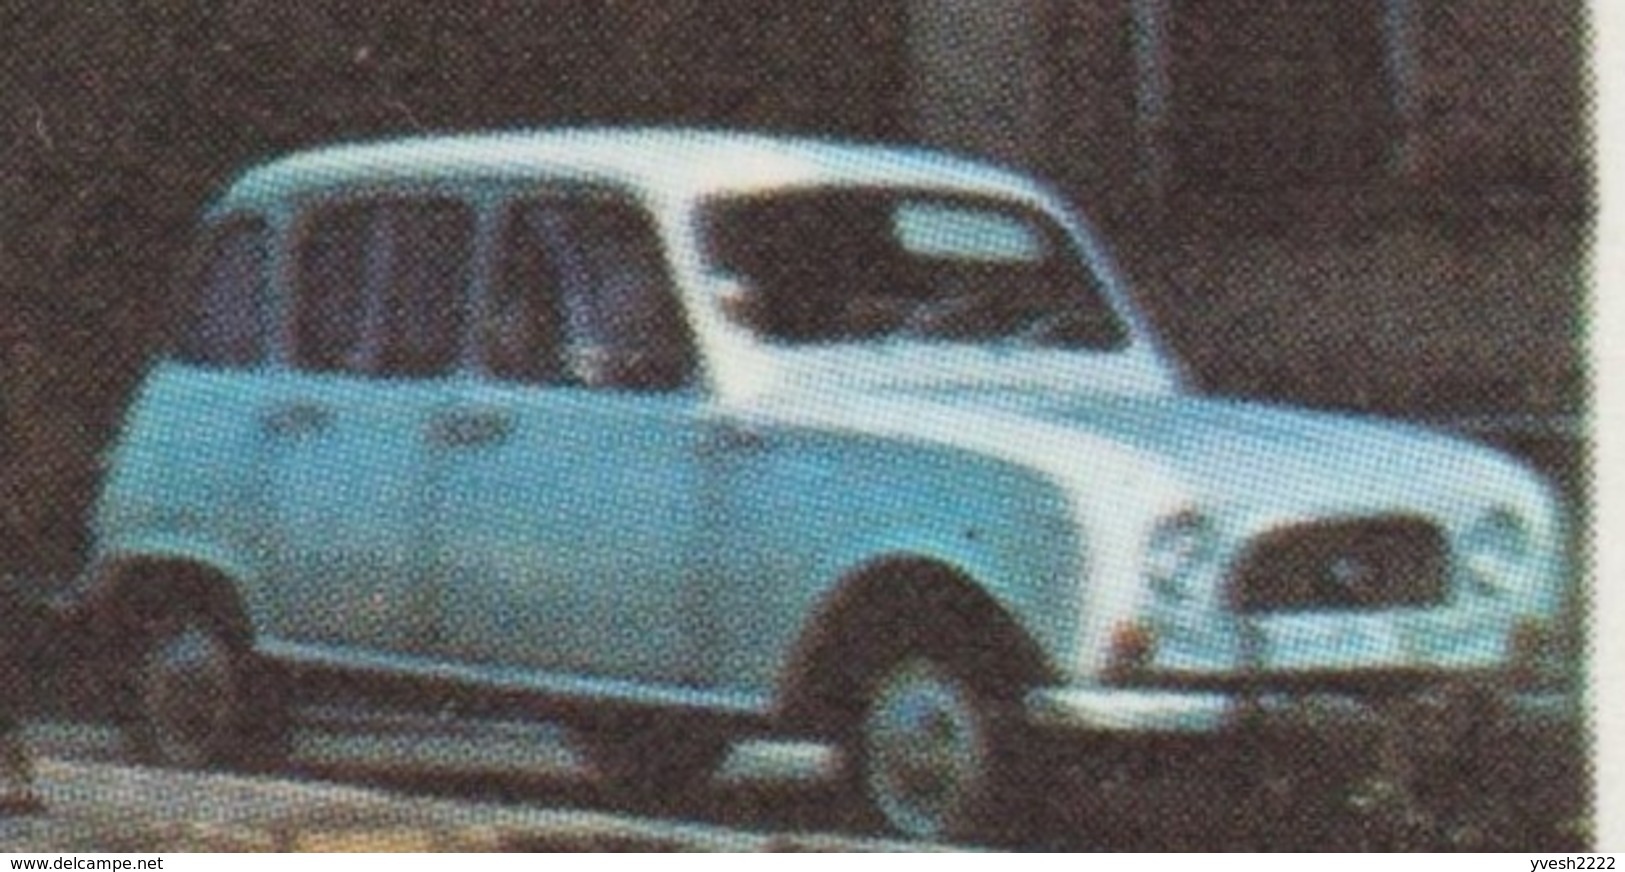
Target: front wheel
933	755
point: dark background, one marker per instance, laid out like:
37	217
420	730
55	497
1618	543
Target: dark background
1309	240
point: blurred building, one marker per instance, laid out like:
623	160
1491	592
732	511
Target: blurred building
1249	96
1121	99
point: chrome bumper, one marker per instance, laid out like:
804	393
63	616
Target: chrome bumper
1170	711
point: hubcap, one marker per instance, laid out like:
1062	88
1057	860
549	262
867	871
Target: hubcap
926	751
189	697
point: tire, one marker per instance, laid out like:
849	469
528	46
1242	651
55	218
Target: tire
651	762
934	755
188	690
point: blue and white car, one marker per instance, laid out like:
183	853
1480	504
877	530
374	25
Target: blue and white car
683	436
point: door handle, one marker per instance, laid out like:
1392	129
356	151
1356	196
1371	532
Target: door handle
299	418
470	429
733	439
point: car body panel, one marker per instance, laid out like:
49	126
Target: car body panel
347	485
187	492
517	587
804	509
689	542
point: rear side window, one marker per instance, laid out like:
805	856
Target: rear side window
428	247
228	296
330	305
381	288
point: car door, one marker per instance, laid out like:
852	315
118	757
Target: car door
377	320
566	520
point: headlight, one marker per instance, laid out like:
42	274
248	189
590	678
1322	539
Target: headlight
1496	550
1175	552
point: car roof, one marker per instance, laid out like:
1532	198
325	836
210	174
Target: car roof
659	163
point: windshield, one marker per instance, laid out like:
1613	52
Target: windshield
845	265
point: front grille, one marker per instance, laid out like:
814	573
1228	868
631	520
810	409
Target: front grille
1347	565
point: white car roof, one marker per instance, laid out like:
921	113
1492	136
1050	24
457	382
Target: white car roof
660	163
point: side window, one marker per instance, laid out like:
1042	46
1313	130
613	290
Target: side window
381	287
625	328
428	247
522	329
330	289
228	289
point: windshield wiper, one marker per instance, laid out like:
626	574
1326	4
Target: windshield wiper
1075	328
962	316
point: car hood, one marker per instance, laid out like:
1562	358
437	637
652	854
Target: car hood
1129	463
1257	458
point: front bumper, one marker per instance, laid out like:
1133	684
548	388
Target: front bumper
1164	711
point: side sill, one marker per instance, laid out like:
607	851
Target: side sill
564	690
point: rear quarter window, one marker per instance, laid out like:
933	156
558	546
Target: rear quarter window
330	305
226	290
424	307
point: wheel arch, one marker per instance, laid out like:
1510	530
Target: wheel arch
126	593
900	599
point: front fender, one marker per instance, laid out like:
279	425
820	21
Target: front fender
1036	586
826	506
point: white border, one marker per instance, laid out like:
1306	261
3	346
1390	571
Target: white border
1607	684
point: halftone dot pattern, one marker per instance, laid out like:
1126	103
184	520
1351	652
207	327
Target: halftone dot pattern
1376	208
